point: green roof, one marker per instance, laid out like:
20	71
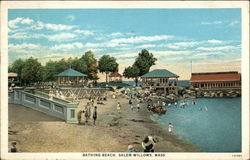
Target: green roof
160	73
71	73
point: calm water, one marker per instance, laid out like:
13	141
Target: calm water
217	129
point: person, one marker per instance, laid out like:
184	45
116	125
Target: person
131	106
206	109
130	102
170	128
148	144
13	147
119	107
138	107
79	116
89	108
50	95
163	103
95	114
86	110
175	104
193	102
130	148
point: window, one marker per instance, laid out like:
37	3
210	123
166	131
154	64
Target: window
72	113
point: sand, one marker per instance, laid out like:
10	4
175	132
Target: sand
113	132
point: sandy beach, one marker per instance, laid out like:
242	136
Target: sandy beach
37	132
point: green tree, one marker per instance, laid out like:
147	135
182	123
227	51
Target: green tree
132	72
107	64
144	61
62	65
17	67
50	71
141	65
32	71
89	65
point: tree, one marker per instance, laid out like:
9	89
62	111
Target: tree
89	61
62	65
107	64
32	71
17	67
132	72
141	65
144	61
50	71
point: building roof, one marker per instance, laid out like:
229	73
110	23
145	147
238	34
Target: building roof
160	73
71	73
115	74
11	74
215	77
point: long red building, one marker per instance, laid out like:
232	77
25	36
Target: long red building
216	80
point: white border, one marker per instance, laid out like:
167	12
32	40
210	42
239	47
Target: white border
5	5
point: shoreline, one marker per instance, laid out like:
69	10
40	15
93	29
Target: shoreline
113	131
176	140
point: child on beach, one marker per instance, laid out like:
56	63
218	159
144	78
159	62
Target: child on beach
118	107
130	148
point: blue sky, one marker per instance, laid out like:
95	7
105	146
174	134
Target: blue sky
211	38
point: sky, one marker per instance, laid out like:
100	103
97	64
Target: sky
210	38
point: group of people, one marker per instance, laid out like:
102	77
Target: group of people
138	107
57	94
87	110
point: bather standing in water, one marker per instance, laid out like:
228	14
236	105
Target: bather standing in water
170	128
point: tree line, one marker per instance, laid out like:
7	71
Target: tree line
31	70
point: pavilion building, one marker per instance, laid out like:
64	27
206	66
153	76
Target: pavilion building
13	79
159	79
115	77
71	77
216	80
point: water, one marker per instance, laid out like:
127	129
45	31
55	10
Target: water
217	129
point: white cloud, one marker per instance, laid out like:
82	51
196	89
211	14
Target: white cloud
179	45
216	48
121	34
37	25
19	36
146	46
211	23
71	18
84	32
51	37
139	39
14	23
123	48
68	46
23	46
215	41
61	37
94	50
58	55
233	23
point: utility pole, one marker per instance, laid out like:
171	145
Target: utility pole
191	68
